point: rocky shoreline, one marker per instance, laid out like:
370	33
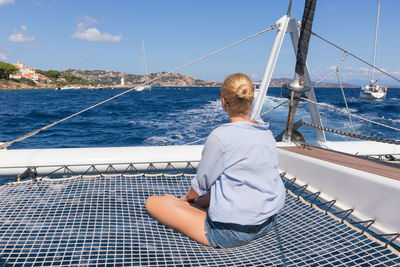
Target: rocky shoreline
112	79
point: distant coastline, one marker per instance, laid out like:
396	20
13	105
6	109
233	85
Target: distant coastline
112	79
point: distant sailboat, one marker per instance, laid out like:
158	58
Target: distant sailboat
373	90
144	87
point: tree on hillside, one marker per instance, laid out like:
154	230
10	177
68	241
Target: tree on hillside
72	79
6	69
52	74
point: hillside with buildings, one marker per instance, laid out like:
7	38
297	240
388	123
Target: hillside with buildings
28	73
29	78
111	78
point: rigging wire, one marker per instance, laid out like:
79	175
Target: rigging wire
272	109
352	115
343	94
376	38
356	57
20	138
334	71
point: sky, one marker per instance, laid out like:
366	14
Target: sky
108	35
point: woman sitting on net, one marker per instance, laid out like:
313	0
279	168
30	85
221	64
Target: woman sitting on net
237	176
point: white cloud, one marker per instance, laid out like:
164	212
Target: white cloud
361	70
20	36
6	2
86	20
93	34
3	56
396	73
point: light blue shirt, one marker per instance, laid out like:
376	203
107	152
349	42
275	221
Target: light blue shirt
239	167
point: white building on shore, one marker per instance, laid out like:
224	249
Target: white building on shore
28	73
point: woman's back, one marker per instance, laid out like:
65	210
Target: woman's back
248	190
237	178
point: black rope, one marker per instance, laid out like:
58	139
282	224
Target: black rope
30	173
328	203
393	142
347	213
370	222
343	215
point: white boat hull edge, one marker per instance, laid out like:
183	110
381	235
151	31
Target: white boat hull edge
371	196
372	95
79	160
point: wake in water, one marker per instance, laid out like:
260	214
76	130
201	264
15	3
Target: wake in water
189	126
170	117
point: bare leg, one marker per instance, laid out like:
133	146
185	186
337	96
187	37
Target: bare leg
179	215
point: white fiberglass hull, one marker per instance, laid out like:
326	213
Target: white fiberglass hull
142	88
371	196
351	188
372	95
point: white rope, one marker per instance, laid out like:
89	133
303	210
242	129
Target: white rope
7	144
196	141
343	94
352	115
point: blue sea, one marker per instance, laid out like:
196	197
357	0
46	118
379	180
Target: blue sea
168	116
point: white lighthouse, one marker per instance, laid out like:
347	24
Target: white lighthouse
122	81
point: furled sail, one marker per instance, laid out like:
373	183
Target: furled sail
297	86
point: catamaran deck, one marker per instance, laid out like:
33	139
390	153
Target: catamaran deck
99	220
362	164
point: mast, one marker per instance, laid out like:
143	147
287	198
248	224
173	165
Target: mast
297	87
376	37
288	24
144	60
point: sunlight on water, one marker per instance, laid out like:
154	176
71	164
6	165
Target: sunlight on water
169	117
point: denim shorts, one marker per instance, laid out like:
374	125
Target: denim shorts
229	235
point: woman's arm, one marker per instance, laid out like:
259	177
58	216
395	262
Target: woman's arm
211	166
199	201
191	195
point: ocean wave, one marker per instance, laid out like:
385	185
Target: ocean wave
170	117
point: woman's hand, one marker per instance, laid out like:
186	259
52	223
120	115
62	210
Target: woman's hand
184	198
171	196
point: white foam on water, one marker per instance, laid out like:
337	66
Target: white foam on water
188	125
181	127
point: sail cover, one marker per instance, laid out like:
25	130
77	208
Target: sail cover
305	33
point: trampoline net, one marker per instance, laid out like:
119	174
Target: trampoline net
99	220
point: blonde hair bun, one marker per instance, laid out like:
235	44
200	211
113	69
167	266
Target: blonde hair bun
245	92
238	92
